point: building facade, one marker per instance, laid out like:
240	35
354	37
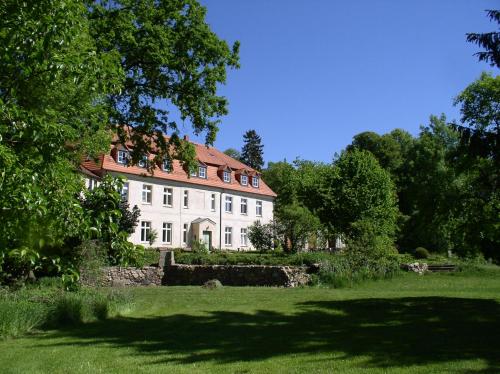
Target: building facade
214	206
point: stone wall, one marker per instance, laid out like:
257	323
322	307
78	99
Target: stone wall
232	275
116	276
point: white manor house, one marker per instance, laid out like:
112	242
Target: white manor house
215	205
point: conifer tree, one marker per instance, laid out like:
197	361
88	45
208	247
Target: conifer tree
252	151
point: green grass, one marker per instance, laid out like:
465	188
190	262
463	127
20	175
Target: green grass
440	323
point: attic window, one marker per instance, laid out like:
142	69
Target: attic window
202	172
122	157
143	161
227	176
244	180
255	182
166	165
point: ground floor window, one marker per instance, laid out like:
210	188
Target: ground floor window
145	230
167	233
185	233
228	236
244	237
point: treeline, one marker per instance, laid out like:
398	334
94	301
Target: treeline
438	190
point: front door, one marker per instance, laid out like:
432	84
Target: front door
207	239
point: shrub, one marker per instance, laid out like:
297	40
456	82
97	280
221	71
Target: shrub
261	236
421	253
197	246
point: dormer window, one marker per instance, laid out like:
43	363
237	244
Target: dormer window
122	157
143	162
202	172
165	165
255	182
227	176
244	180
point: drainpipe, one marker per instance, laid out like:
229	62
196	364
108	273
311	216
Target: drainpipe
220	219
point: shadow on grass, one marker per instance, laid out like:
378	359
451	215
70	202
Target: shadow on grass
391	332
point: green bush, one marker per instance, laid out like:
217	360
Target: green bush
421	253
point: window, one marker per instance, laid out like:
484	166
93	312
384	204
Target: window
227	176
145	231
229	204
185	233
228	236
258	208
202	172
244	237
167	233
92	184
167	196
166	165
212	202
147	191
244	206
186	199
244	180
124	191
122	157
143	162
255	182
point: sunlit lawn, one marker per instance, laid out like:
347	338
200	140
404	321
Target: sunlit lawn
411	324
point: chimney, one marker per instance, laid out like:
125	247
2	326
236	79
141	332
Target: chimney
186	138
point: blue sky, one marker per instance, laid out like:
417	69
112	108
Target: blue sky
315	73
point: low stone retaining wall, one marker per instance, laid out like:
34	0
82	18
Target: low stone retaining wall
232	275
236	275
115	276
170	273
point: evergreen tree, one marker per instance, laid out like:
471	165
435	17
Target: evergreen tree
252	151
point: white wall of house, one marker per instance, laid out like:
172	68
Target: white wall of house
199	206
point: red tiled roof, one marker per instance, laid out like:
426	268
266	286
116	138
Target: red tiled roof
210	156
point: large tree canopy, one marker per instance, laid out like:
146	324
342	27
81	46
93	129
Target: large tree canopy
173	63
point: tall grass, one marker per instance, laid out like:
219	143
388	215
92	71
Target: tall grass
48	305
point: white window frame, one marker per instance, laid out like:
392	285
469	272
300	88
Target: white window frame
124	191
213	202
244	237
226	176
147	190
185	228
202	172
143	162
185	199
145	231
228	236
167	230
244	180
258	207
255	181
244	203
122	157
168	197
228	201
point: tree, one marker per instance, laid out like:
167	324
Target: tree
53	83
234	153
71	73
169	55
489	41
252	151
295	224
360	194
261	236
282	178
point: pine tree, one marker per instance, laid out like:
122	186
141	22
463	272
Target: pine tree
252	151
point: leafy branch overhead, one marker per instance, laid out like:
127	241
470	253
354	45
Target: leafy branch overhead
170	59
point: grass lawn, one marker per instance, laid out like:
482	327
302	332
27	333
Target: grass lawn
411	324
